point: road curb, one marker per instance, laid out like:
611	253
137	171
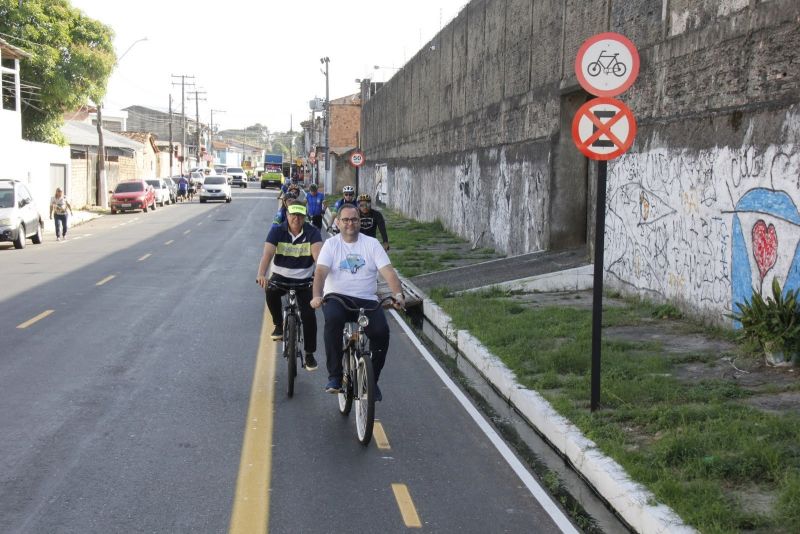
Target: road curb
629	499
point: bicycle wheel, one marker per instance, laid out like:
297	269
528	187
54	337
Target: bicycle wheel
365	398
290	351
594	68
345	396
619	69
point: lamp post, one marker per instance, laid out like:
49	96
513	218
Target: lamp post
326	61
211	133
102	197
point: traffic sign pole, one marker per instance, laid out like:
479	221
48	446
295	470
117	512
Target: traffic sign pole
597	289
606	65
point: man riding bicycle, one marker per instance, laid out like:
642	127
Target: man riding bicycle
371	220
348	266
292	247
316	205
348	197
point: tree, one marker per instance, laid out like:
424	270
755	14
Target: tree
72	57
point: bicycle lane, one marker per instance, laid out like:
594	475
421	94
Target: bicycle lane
434	462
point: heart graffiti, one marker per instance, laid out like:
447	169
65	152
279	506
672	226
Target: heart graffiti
765	246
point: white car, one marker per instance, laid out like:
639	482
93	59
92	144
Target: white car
162	191
19	217
216	188
238	176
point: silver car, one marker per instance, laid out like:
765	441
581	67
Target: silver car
162	191
19	217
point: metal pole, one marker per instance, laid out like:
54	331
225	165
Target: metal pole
291	153
171	150
597	292
358	169
327	124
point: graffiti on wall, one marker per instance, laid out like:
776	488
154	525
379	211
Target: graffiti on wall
705	228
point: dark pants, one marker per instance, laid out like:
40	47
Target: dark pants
377	331
61	220
316	220
307	314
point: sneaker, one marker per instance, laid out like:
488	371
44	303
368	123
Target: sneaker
63	238
310	361
277	334
334	385
378	395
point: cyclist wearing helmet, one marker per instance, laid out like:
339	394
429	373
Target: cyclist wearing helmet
301	195
316	205
348	197
371	220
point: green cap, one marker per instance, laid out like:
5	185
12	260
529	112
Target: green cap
297	209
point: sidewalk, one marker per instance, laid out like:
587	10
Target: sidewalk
77	218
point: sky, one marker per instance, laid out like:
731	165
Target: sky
258	61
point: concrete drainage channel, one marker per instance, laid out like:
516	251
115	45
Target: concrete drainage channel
586	509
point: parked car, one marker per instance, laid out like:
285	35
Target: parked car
220	169
19	216
173	189
238	176
161	190
216	188
133	195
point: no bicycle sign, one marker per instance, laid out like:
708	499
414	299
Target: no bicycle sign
603	128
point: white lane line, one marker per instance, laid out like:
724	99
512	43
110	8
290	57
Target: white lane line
169	242
186	232
201	222
144	257
536	490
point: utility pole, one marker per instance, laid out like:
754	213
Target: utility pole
211	148
171	150
102	196
197	100
291	142
326	60
183	113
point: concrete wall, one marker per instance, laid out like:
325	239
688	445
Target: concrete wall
481	116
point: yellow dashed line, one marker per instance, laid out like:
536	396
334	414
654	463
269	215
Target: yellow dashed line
106	279
144	257
380	437
251	502
39	317
169	242
409	513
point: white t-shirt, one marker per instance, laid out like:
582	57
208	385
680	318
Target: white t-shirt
353	266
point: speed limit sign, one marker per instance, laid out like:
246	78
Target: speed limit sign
357	158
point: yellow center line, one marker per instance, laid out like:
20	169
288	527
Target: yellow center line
380	437
251	502
39	317
169	242
403	497
144	257
106	279
186	232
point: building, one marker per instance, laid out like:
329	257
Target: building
157	122
41	166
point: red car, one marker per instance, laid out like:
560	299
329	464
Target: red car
133	195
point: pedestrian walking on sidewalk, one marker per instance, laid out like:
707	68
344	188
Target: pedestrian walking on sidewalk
58	207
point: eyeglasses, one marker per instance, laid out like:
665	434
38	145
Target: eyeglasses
349	194
349	220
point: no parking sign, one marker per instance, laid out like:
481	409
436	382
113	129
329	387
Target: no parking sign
603	128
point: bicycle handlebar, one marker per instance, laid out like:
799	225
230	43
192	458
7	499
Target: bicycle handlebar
341	300
287	286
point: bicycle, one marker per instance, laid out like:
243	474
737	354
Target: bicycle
358	378
292	330
615	66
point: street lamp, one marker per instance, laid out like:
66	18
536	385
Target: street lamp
102	197
326	61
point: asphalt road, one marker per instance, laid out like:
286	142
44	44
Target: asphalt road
127	358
